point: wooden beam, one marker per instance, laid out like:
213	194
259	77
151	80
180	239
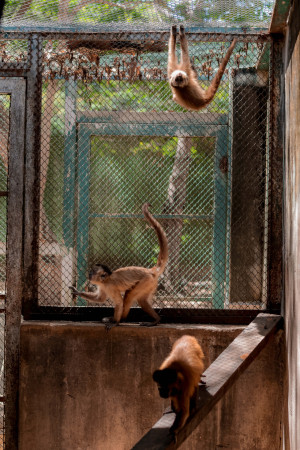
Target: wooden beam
219	377
279	16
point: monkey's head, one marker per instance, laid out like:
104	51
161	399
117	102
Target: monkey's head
168	381
179	79
99	273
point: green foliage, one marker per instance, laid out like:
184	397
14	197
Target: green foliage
126	172
140	96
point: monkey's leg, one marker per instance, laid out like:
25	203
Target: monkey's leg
184	49
193	400
129	298
182	415
172	58
115	320
145	304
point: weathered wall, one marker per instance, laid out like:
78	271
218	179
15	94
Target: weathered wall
292	224
82	388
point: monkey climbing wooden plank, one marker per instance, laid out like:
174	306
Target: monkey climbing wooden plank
219	377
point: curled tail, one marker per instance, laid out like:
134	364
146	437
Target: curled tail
162	238
212	89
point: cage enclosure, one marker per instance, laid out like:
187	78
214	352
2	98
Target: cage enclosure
106	137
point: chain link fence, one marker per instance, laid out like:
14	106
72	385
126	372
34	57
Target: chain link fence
136	14
112	139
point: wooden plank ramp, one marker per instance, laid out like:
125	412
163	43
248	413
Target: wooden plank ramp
219	377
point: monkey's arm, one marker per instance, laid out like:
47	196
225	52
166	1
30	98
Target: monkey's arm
212	89
182	414
98	296
185	58
172	58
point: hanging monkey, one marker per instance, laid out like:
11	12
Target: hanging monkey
183	79
129	284
178	377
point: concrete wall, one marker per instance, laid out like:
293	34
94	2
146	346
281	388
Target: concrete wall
292	224
82	388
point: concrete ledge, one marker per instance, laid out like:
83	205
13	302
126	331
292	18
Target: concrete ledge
84	388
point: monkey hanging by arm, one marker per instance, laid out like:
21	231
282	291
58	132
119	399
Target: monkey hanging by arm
137	283
183	79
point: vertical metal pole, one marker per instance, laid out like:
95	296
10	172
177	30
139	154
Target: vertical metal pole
220	220
32	176
275	255
14	261
69	163
84	149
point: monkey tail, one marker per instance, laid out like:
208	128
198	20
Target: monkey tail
162	238
212	89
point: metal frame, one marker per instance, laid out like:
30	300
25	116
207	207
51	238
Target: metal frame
162	125
16	88
32	72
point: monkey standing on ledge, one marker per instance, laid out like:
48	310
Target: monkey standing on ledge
137	283
179	376
183	79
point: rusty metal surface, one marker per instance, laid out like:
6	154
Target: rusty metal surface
32	170
16	88
275	259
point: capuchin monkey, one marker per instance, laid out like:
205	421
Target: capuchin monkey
183	79
129	284
179	376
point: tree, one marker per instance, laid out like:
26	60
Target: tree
175	205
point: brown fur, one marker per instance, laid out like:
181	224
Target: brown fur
182	78
179	376
136	283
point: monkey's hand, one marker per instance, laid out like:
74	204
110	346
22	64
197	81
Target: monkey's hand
74	290
174	30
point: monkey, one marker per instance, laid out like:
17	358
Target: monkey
178	377
183	79
135	283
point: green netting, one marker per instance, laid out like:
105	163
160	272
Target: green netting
124	14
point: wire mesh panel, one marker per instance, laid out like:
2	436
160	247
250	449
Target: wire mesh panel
4	142
113	138
127	15
13	53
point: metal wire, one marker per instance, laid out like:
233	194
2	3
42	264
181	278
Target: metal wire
112	139
128	15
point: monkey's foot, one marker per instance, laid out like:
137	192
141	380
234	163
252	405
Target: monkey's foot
181	30
174	30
